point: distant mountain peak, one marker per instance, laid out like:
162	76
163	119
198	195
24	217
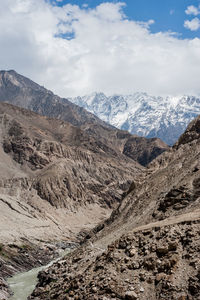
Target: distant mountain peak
143	114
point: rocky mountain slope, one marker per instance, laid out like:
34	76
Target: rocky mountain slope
21	91
55	176
149	247
58	179
142	114
56	182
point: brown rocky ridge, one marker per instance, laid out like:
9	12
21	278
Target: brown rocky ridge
149	248
21	91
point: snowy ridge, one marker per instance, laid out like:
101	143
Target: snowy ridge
143	114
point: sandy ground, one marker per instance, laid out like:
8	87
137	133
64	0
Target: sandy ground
20	220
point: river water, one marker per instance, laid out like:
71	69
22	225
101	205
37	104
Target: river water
23	284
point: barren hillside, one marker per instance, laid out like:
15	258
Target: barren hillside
21	91
55	178
149	248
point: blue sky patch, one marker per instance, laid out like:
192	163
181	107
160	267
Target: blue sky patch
169	15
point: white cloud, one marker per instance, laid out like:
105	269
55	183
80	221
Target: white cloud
193	25
192	10
108	52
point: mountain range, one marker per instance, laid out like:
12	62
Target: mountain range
63	170
58	160
142	114
133	203
23	92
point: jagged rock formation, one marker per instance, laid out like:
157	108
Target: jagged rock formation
21	91
192	133
149	247
55	176
26	256
162	117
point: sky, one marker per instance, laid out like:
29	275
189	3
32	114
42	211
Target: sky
116	47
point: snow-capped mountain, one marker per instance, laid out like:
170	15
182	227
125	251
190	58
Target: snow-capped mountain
143	114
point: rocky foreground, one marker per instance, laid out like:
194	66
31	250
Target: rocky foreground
159	262
149	248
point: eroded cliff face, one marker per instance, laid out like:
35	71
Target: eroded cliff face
55	179
149	247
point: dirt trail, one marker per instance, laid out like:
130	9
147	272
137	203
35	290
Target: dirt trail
192	216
